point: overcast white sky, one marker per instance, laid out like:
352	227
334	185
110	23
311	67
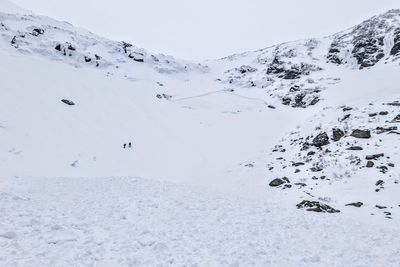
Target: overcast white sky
202	29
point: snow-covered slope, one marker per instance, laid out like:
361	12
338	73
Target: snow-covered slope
275	125
48	38
135	222
296	72
180	113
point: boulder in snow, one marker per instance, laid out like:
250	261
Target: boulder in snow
363	134
68	102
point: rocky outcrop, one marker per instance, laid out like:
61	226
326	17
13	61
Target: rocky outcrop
321	140
337	134
363	134
365	43
316	206
356	204
395	51
68	102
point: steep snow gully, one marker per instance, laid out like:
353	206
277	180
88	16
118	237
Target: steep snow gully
285	156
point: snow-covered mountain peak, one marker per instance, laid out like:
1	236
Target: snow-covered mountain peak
374	40
296	72
47	38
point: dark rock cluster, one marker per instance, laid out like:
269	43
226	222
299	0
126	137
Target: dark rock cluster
316	206
68	102
337	151
291	71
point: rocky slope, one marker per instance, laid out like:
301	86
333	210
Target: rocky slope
41	36
296	72
340	148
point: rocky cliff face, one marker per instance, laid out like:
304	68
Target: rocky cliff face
374	40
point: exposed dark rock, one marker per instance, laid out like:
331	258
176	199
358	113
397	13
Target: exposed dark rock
396	47
345	117
396	119
294	72
87	59
383	169
321	140
380	207
71	47
316	168
276	67
314	101
374	157
316	206
37	31
333	54
355	148
367	50
296	164
286	101
365	134
379	183
291	74
278	182
163	96
298	100
125	46
68	102
337	134
383	113
370	164
356	204
246	69
394	103
138	59
380	130
58	47
14	40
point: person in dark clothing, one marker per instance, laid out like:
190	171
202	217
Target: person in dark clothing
130	144
124	145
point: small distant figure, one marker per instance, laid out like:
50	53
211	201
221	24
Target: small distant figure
124	146
130	145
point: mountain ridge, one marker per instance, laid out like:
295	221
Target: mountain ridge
114	155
